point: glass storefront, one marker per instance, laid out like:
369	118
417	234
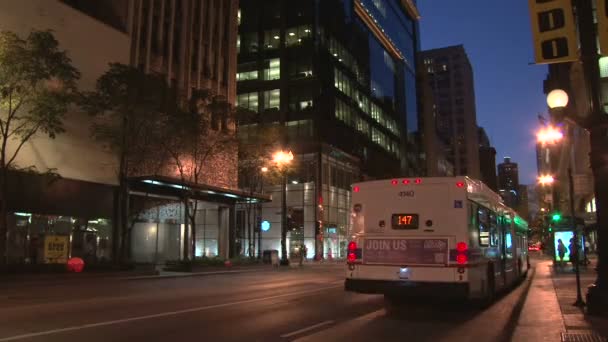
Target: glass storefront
89	239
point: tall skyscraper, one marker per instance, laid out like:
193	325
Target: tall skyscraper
451	79
508	182
487	161
433	156
338	76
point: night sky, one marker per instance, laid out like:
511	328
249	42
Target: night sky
508	91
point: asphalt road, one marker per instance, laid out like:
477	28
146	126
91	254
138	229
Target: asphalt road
306	304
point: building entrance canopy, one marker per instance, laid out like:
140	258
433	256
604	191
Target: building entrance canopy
175	187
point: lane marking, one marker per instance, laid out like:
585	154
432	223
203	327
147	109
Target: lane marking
162	314
307	328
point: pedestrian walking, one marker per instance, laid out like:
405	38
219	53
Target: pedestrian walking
573	247
303	252
561	251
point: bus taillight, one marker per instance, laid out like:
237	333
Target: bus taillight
351	257
352	246
462	250
461	247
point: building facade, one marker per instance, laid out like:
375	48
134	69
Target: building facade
487	161
192	43
435	148
451	80
508	182
339	77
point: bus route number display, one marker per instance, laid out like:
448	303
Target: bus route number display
405	221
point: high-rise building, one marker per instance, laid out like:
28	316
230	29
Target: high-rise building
508	182
451	79
339	77
487	160
192	43
523	209
433	156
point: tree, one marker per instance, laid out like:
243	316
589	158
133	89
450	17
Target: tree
194	136
37	86
129	105
254	154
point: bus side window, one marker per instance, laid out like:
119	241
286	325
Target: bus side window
484	226
494	235
508	244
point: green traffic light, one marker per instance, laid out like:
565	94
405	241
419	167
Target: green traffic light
556	217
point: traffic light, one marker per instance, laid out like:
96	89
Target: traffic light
556	217
602	25
553	31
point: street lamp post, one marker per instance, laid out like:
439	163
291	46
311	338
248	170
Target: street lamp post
282	159
558	100
263	171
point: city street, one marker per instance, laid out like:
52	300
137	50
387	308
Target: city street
306	304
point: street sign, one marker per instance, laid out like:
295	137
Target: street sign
56	249
553	31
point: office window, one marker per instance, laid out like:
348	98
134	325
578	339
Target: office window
272	40
272	69
248	101
272	99
297	35
248	42
247	75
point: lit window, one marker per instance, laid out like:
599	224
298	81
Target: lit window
248	101
247	75
295	35
273	69
272	39
272	99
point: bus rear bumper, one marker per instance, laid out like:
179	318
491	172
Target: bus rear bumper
407	288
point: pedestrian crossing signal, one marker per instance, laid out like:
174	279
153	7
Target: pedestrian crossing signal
553	31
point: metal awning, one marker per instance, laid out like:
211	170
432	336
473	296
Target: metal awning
175	187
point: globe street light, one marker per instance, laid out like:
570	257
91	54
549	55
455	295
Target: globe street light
282	159
557	100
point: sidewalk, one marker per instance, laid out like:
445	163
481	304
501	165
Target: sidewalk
575	319
548	313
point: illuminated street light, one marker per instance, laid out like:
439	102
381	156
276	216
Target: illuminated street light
282	159
546	180
549	135
264	169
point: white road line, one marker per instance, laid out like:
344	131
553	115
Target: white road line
307	329
163	314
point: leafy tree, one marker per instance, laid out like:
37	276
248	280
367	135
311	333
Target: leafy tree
129	106
37	86
194	137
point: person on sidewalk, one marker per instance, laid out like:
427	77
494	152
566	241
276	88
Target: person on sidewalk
561	252
573	247
303	252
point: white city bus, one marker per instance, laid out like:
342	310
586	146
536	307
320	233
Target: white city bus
449	236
